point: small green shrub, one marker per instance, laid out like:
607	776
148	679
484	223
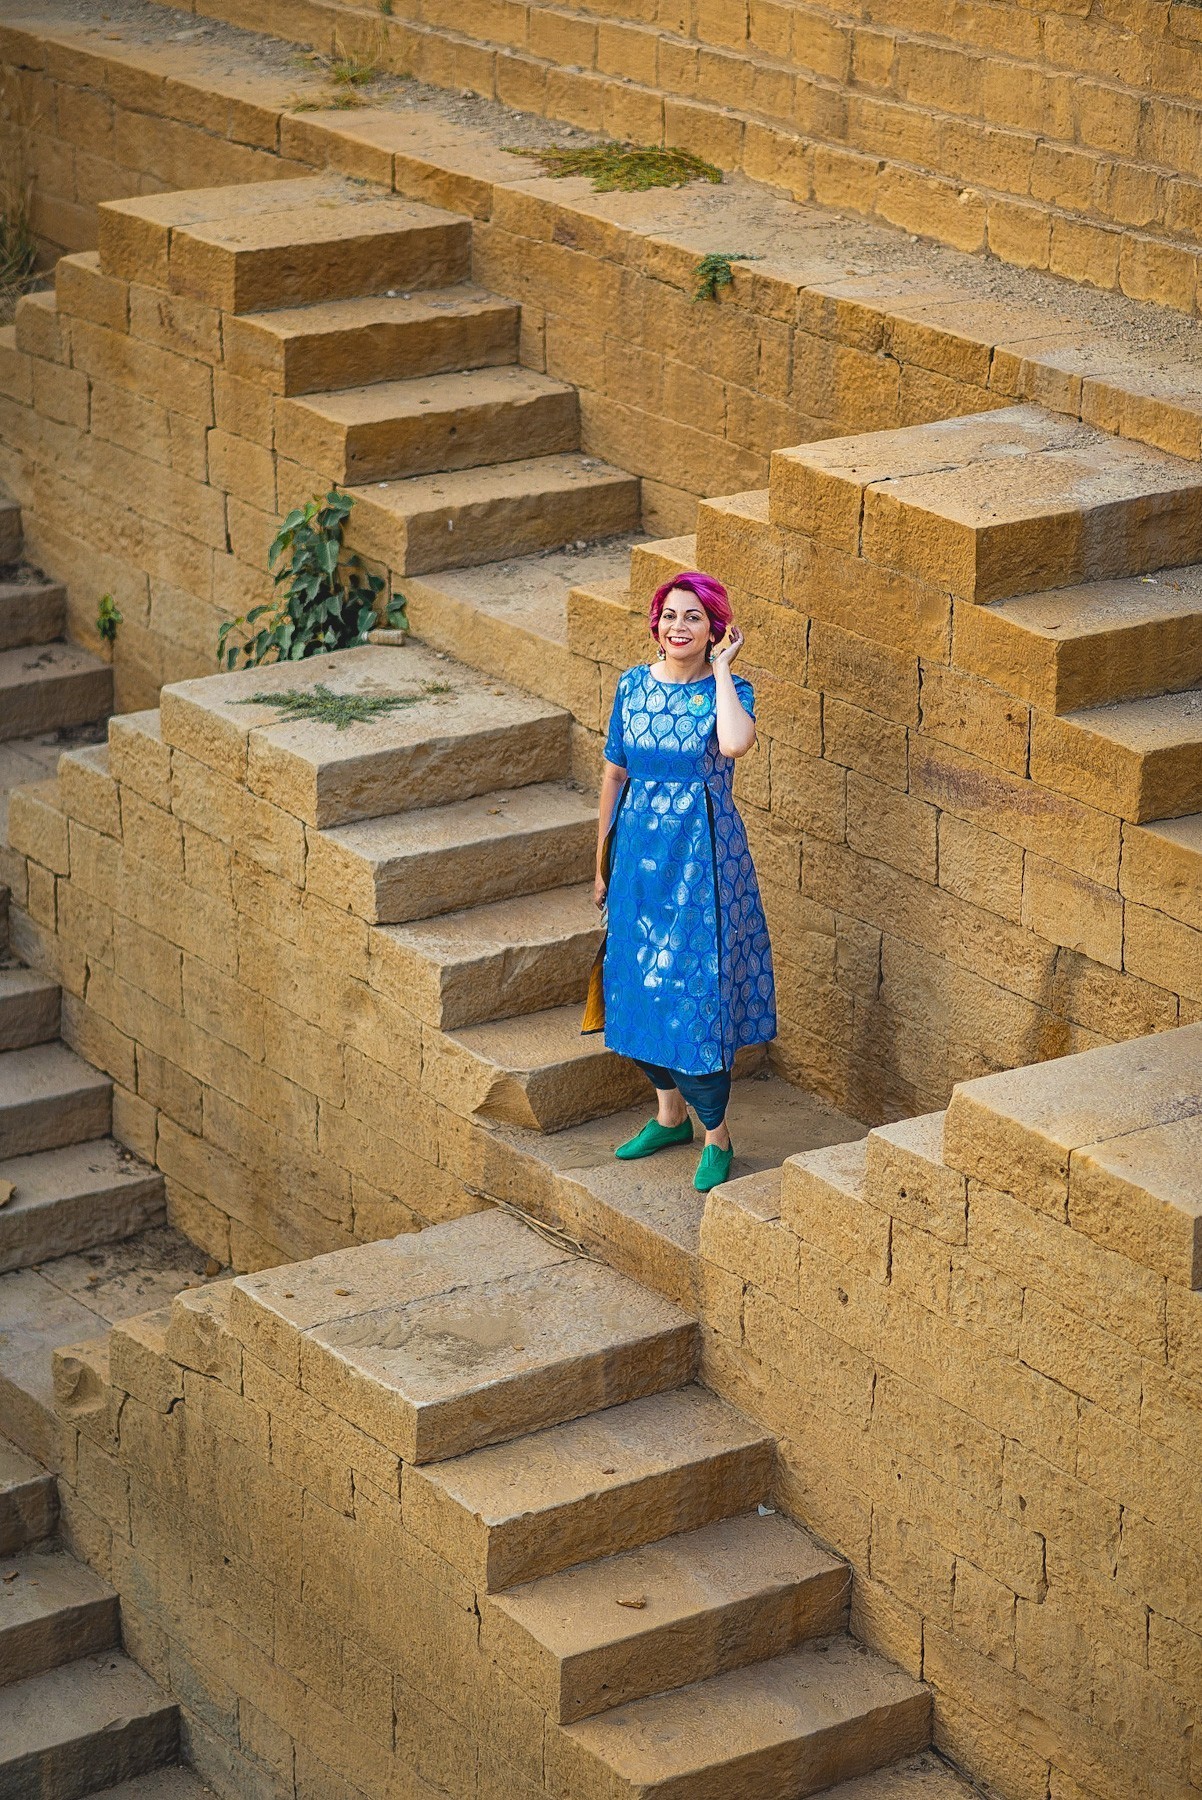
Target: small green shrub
622	167
108	617
329	600
714	271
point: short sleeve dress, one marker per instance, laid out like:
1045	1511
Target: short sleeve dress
688	966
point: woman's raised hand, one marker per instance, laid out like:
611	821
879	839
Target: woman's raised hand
724	657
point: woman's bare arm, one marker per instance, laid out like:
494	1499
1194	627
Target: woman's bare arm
736	727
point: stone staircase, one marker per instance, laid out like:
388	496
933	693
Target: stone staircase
76	1715
680	1636
412	399
46	683
1078	593
70	1191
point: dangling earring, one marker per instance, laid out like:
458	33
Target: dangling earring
661	653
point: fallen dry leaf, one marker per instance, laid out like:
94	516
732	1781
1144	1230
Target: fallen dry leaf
637	1601
7	1190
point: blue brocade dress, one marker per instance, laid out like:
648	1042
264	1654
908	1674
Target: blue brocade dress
688	966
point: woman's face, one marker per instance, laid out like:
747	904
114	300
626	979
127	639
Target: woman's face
684	627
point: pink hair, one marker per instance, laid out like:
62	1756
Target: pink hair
705	588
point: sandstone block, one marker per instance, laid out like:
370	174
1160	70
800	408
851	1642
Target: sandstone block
83	292
905	1175
1141	760
1017	1131
441	745
738	1591
588	1339
1136	1194
320	251
601	1484
298	350
800	1739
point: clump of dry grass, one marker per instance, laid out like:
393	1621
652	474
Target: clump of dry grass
347	72
18	246
356	69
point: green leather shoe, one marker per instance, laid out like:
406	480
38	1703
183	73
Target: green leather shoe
713	1167
653	1137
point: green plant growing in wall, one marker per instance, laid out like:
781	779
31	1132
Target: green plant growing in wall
623	167
108	617
714	271
329	602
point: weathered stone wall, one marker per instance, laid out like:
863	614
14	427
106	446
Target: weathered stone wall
91	122
979	1341
1062	139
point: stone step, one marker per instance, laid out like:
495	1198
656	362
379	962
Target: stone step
537	1070
664	1616
52	1610
922	1777
493	962
1141	759
599	1485
178	1783
795	1725
1091	645
28	1501
468	1334
1107	1139
820	1185
395	429
1162	867
415	865
10	530
646	1217
484	515
456	734
654	563
50	1097
603	622
379	337
32	611
282	243
994	504
83	1727
905	1176
511	619
55	1320
45	686
29	1008
71	1199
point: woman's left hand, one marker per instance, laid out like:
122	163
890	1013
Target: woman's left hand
724	657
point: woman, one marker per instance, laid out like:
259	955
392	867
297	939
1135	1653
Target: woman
688	967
